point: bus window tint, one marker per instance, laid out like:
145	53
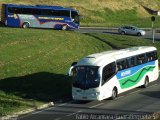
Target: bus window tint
151	56
27	11
65	13
155	56
75	17
86	77
141	59
11	10
122	64
108	71
35	11
132	61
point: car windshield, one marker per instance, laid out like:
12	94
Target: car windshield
135	28
86	77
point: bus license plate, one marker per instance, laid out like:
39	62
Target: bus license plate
84	97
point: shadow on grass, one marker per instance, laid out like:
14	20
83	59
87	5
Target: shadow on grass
156	39
1	24
103	40
41	86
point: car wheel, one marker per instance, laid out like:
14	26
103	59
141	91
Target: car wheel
146	82
114	93
122	33
25	25
139	34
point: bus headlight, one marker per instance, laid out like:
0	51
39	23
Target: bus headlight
6	22
96	94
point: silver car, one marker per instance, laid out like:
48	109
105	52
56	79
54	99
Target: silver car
131	30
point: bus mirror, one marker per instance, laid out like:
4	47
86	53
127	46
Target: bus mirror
74	63
71	68
116	69
70	71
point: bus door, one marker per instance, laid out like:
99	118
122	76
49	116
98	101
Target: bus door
12	17
75	18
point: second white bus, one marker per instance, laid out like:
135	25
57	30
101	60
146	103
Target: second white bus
107	74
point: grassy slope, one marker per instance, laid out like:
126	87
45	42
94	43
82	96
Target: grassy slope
105	12
34	65
123	41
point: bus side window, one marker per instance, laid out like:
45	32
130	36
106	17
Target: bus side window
141	59
108	71
10	10
154	54
123	64
17	10
132	62
151	56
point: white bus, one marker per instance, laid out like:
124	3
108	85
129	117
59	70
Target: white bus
107	74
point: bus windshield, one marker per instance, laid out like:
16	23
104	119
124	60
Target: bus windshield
75	17
86	77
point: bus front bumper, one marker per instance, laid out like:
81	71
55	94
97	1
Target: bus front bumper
91	94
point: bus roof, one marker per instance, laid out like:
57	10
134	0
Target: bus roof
39	6
99	59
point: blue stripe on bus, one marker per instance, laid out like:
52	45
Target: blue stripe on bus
130	71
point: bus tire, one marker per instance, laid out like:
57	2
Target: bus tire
114	93
64	27
25	25
146	82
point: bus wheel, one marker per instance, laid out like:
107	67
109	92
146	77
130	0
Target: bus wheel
64	27
25	25
146	82
114	93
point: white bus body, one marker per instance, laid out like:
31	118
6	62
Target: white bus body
107	74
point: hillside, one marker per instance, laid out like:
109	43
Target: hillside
105	12
34	63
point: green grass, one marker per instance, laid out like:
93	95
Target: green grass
124	41
118	18
34	63
11	103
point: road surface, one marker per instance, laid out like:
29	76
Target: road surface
115	31
134	104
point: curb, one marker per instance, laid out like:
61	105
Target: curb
17	114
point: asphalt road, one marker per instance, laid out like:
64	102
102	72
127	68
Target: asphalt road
115	31
138	103
134	104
